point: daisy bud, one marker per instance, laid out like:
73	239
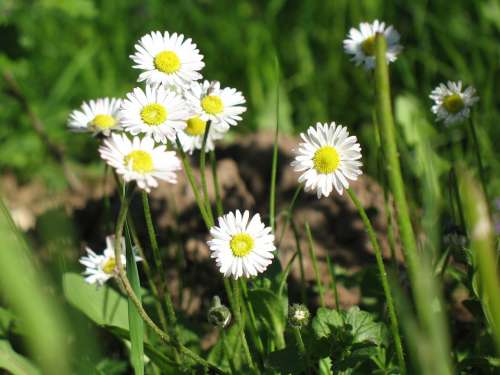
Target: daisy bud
298	315
218	314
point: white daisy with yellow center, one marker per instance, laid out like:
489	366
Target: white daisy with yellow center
241	246
451	104
360	43
100	268
100	116
155	111
222	106
169	59
191	137
139	160
328	157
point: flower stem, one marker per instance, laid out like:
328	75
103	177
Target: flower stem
218	200
241	323
289	211
301	347
331	270
312	254
482	173
202	172
383	277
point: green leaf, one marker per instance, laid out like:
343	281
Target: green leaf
286	361
101	304
14	362
135	322
227	350
326	322
364	328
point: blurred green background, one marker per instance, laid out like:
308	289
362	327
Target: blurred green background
64	52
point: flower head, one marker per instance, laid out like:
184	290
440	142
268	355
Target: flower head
218	314
157	111
191	137
360	43
241	246
328	158
222	106
167	58
139	160
298	315
100	268
451	104
96	116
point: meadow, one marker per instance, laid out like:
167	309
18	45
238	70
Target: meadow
272	191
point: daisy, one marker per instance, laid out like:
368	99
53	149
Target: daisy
166	58
241	247
96	116
100	268
191	137
328	157
361	43
139	160
157	111
451	104
221	106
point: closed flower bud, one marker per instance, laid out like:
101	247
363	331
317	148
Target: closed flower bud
298	315
218	314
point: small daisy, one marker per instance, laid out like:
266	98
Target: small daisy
100	268
361	43
157	112
328	157
96	116
451	104
241	247
169	59
222	106
139	160
191	137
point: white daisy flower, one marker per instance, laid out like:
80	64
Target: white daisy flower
451	104
169	59
157	111
328	157
96	116
139	160
221	106
100	268
361	43
241	247
191	137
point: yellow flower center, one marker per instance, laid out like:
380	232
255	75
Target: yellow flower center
109	266
368	46
154	114
195	126
241	244
167	62
212	104
141	161
326	160
453	103
103	121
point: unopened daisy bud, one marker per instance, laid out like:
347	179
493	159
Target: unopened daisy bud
218	314
241	246
328	157
222	106
451	104
360	43
100	116
298	315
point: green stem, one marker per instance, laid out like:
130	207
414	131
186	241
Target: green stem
388	137
203	177
289	212
312	254
331	270
274	167
253	321
303	294
482	172
218	200
302	348
241	324
383	277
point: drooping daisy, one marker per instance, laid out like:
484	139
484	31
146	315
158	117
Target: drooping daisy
451	104
328	158
222	106
157	111
361	43
240	246
139	160
100	268
191	137
167	58
96	116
